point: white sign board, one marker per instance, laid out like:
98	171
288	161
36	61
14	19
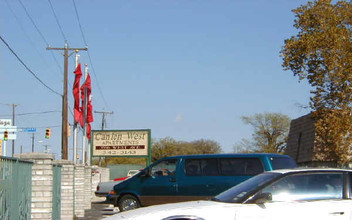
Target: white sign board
5	122
120	143
9	129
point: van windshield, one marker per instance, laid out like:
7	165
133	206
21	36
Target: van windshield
164	168
282	163
239	193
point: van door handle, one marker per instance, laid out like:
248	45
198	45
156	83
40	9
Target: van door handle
173	180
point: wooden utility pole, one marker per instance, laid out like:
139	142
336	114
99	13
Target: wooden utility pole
103	121
64	133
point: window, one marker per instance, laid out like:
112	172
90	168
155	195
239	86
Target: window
240	166
282	163
165	168
201	167
311	186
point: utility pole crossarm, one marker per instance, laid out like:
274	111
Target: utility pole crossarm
68	48
103	118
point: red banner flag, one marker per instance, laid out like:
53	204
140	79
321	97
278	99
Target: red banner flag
89	103
89	129
86	87
77	110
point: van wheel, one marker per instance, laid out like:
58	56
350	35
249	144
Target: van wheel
128	202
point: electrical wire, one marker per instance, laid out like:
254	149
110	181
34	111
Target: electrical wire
57	21
31	19
29	39
29	70
34	113
89	57
40	33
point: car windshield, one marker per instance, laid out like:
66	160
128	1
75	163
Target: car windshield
237	193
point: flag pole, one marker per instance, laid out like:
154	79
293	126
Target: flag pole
84	118
75	130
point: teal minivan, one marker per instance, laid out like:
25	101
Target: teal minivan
192	177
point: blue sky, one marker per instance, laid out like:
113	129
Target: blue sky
188	69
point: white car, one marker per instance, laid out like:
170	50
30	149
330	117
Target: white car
282	194
104	188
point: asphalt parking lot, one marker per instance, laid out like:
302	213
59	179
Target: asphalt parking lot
99	210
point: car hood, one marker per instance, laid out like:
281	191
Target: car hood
203	209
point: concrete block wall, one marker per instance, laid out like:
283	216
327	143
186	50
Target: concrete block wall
76	188
42	184
67	189
79	184
88	187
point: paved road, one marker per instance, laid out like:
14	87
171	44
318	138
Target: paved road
99	210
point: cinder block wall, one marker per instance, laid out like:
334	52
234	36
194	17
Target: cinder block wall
88	187
76	187
42	184
79	190
67	189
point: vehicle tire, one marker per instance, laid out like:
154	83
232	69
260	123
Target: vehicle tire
128	202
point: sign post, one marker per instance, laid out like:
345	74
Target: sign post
6	126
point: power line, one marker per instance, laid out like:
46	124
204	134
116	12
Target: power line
33	113
89	57
79	22
22	28
29	70
31	19
40	33
57	21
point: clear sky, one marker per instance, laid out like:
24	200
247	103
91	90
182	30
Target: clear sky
187	69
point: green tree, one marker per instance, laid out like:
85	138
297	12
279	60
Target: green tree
270	133
166	147
321	53
170	147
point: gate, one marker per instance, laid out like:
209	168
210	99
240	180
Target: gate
56	215
15	188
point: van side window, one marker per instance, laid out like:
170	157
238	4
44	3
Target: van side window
165	168
201	167
240	166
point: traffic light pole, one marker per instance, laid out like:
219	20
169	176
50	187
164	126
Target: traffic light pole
64	133
13	124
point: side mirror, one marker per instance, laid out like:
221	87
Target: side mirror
145	172
261	198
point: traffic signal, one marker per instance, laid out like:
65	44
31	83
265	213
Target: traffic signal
47	133
6	135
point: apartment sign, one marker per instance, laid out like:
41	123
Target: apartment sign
120	143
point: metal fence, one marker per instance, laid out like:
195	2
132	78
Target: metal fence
56	215
15	188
